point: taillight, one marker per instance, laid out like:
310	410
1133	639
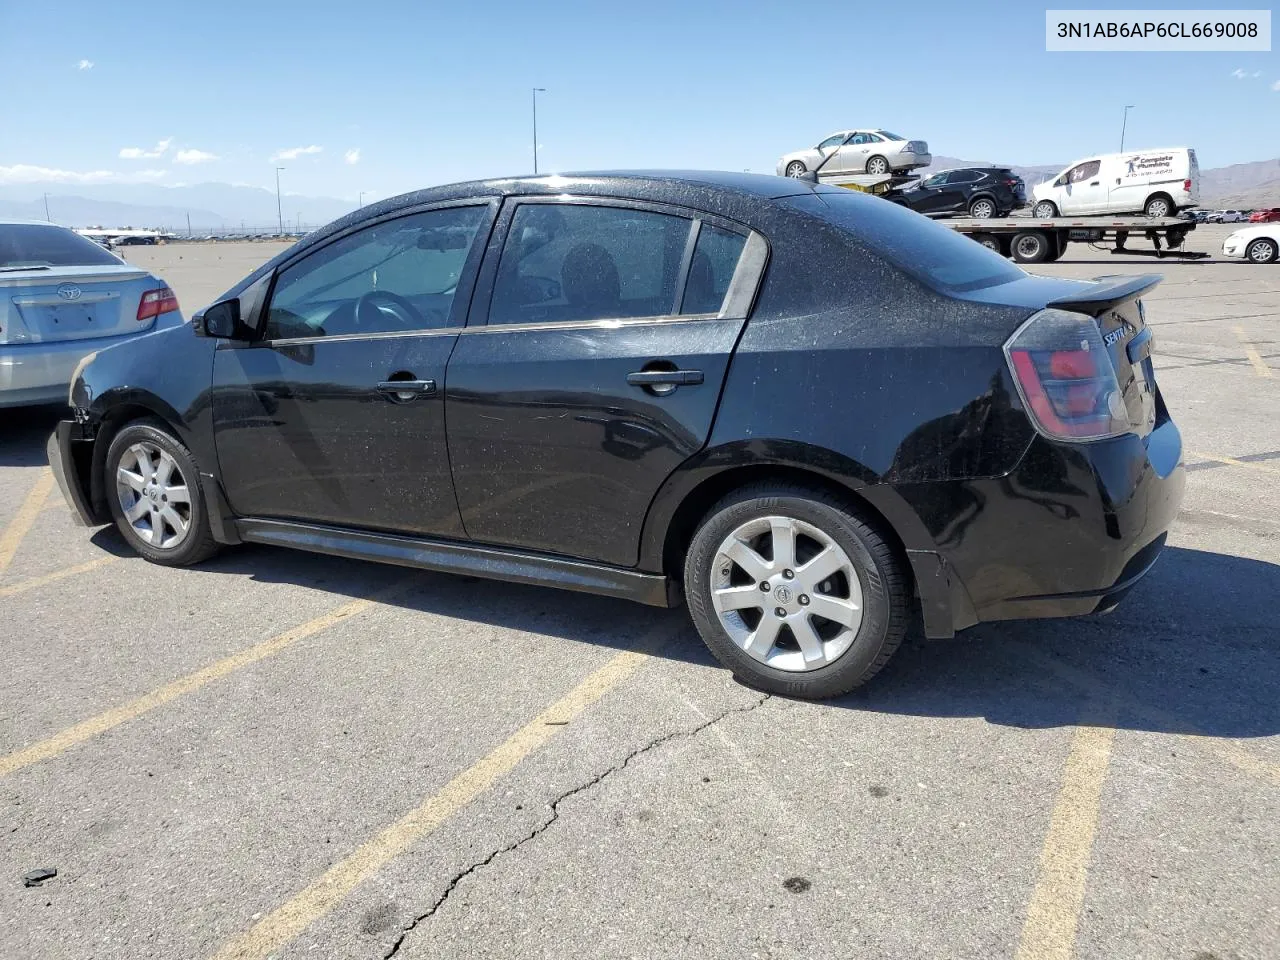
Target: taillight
1186	186
156	302
1065	377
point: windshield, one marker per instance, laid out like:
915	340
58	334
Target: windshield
889	136
935	255
35	245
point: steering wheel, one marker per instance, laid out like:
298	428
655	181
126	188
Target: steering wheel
372	309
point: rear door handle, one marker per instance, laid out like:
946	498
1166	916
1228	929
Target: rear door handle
647	378
407	389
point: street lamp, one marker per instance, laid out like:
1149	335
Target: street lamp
536	91
1124	124
361	200
279	211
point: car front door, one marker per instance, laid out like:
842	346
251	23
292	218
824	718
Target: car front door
826	149
1085	192
335	415
931	194
599	338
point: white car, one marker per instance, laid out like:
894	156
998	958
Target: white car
876	152
1257	244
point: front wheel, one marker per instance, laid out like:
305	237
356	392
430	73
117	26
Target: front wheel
1045	210
153	490
796	168
877	166
794	592
1261	250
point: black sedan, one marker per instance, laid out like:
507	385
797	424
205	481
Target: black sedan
810	414
982	192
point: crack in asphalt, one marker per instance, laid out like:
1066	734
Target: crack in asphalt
555	814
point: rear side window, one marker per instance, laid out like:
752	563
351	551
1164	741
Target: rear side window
36	245
715	258
564	262
935	255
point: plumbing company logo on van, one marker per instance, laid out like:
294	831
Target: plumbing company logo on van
1141	166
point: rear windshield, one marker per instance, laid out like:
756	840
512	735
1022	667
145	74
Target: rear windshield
935	255
37	245
889	136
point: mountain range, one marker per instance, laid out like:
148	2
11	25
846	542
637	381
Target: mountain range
222	207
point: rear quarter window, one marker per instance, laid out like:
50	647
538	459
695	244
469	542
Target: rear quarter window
38	245
935	255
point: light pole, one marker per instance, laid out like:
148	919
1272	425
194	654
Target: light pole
46	208
1124	124
279	211
361	200
536	91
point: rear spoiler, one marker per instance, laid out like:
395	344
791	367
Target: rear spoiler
1107	292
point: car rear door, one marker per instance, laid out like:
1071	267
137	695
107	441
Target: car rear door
336	416
591	366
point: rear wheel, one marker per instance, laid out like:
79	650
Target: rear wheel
1030	246
153	490
877	166
1158	206
1045	210
795	593
1261	250
796	168
988	240
983	208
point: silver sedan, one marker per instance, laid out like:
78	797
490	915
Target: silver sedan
63	297
876	152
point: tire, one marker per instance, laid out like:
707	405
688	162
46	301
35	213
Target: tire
1045	210
177	545
1159	205
988	240
1261	250
877	166
795	168
1030	246
983	208
838	656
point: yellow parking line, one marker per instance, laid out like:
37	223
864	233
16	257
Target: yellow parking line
87	729
1227	749
275	930
33	582
1216	458
11	539
1049	931
1259	365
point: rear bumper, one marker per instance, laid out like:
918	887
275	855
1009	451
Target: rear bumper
1069	532
32	373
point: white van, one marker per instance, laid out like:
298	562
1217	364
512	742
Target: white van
1157	183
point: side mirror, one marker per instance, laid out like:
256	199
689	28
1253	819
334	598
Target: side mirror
223	320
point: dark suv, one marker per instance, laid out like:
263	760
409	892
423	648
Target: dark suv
982	192
810	414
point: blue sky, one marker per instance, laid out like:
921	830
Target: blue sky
428	93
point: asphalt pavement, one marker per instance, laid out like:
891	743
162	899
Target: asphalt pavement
286	755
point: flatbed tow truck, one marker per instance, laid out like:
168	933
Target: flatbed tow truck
1033	240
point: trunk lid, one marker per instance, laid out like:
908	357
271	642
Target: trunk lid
54	304
1116	304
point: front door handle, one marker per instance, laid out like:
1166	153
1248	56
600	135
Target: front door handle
647	378
406	390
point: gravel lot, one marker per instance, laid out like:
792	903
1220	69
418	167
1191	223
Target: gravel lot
286	755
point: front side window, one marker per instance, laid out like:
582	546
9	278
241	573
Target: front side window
568	262
937	180
715	258
397	275
1085	170
831	142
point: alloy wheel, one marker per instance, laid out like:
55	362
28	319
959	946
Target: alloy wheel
795	168
1262	251
786	593
154	496
877	166
983	210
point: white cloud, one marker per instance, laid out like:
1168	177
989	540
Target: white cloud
293	153
1276	85
1256	74
138	153
1238	73
194	156
84	65
352	156
28	173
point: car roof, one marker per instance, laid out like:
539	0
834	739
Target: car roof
15	222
